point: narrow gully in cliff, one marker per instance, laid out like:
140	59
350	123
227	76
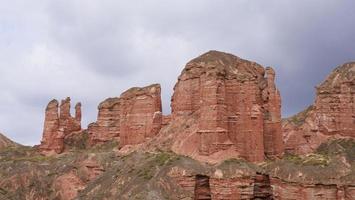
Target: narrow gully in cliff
262	187
202	188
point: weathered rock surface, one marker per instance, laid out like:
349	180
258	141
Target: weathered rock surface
107	126
332	115
141	114
238	106
57	124
68	185
131	119
225	119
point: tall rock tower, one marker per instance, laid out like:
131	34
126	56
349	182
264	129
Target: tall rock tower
238	106
57	124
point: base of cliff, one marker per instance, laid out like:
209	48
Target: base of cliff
100	173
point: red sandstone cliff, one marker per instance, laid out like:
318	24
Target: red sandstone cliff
141	114
107	126
223	107
235	104
332	114
57	124
132	118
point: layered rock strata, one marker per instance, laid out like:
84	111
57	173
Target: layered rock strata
132	118
107	126
331	115
141	114
58	123
254	186
238	106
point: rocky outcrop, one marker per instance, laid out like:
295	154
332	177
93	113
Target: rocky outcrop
286	190
107	126
130	119
332	114
237	106
68	123
166	120
68	185
226	181
253	185
141	114
58	123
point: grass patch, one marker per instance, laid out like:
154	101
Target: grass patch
37	158
162	158
146	173
309	160
337	147
3	191
233	161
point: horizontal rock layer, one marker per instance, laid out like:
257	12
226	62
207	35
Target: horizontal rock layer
131	118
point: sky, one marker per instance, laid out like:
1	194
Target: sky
94	49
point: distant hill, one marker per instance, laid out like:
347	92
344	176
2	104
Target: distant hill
6	142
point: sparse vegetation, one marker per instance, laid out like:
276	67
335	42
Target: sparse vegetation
338	147
299	118
309	160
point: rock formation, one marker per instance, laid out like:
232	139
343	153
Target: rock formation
332	114
57	124
132	118
68	123
141	114
107	126
238	106
223	109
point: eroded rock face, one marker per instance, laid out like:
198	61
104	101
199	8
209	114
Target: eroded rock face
217	185
238	106
254	186
68	185
130	119
141	114
57	124
107	126
332	114
68	123
283	190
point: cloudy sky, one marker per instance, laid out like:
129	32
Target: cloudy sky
90	50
